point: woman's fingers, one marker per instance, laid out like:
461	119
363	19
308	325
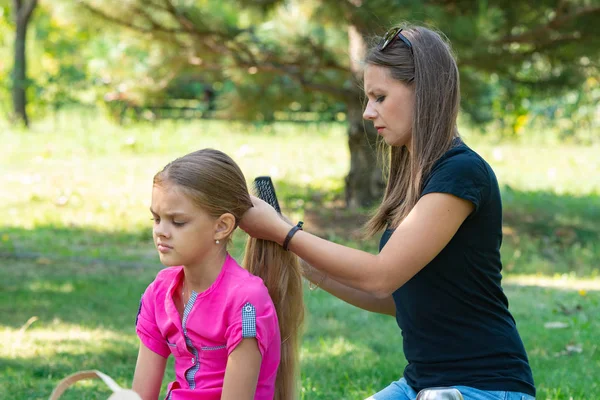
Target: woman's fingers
263	222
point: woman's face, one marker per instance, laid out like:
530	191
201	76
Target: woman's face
390	105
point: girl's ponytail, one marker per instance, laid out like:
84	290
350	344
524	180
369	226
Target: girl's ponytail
281	272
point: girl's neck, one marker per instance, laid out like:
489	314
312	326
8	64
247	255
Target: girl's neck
201	276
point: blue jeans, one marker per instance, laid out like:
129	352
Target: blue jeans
400	390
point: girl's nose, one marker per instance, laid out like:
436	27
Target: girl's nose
160	230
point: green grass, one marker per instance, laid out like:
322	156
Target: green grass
76	252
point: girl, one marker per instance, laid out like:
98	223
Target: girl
232	337
439	270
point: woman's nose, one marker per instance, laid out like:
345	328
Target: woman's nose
369	113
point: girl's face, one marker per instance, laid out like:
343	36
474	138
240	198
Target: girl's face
183	233
390	105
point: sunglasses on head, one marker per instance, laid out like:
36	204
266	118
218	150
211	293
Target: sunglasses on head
391	36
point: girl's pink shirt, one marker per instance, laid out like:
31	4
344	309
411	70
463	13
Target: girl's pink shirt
237	305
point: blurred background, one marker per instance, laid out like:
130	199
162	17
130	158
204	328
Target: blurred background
98	95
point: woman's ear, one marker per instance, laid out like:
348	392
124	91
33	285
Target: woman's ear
224	226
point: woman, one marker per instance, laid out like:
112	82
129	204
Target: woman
439	269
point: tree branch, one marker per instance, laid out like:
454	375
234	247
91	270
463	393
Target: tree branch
562	40
560	19
16	7
22	11
126	23
207	36
154	25
329	89
28	9
231	43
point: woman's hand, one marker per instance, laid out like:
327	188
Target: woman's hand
263	222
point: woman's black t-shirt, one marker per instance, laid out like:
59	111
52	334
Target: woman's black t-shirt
453	314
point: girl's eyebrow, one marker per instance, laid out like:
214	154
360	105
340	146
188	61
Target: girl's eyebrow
169	214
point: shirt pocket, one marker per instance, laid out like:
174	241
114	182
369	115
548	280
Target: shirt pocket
214	358
172	343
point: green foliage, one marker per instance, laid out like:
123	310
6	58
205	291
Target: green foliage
515	57
512	56
523	66
61	74
6	56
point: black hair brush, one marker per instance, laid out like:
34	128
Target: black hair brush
266	191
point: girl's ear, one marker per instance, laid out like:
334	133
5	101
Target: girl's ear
224	226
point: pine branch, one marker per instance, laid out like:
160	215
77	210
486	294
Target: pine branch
544	31
127	23
229	43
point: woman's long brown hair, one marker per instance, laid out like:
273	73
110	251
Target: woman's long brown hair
215	183
430	69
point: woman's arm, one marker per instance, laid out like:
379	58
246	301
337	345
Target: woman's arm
149	372
425	231
345	293
350	295
241	373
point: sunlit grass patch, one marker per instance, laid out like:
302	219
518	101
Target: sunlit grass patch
76	252
58	337
558	281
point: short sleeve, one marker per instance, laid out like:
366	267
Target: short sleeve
463	175
254	316
146	326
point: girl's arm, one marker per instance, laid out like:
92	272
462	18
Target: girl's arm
350	295
241	373
424	232
149	372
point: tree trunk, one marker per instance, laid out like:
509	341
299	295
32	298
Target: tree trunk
364	182
22	11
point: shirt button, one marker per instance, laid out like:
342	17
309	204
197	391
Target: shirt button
248	308
193	361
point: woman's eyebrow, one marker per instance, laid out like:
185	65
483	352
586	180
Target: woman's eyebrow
371	92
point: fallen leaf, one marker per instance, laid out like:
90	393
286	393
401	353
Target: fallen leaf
568	311
569	350
574	348
555	325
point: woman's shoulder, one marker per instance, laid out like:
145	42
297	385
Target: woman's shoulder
463	173
460	152
461	161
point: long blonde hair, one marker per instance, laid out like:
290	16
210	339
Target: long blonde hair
430	69
215	183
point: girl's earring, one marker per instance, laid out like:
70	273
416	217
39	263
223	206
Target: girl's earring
217	241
